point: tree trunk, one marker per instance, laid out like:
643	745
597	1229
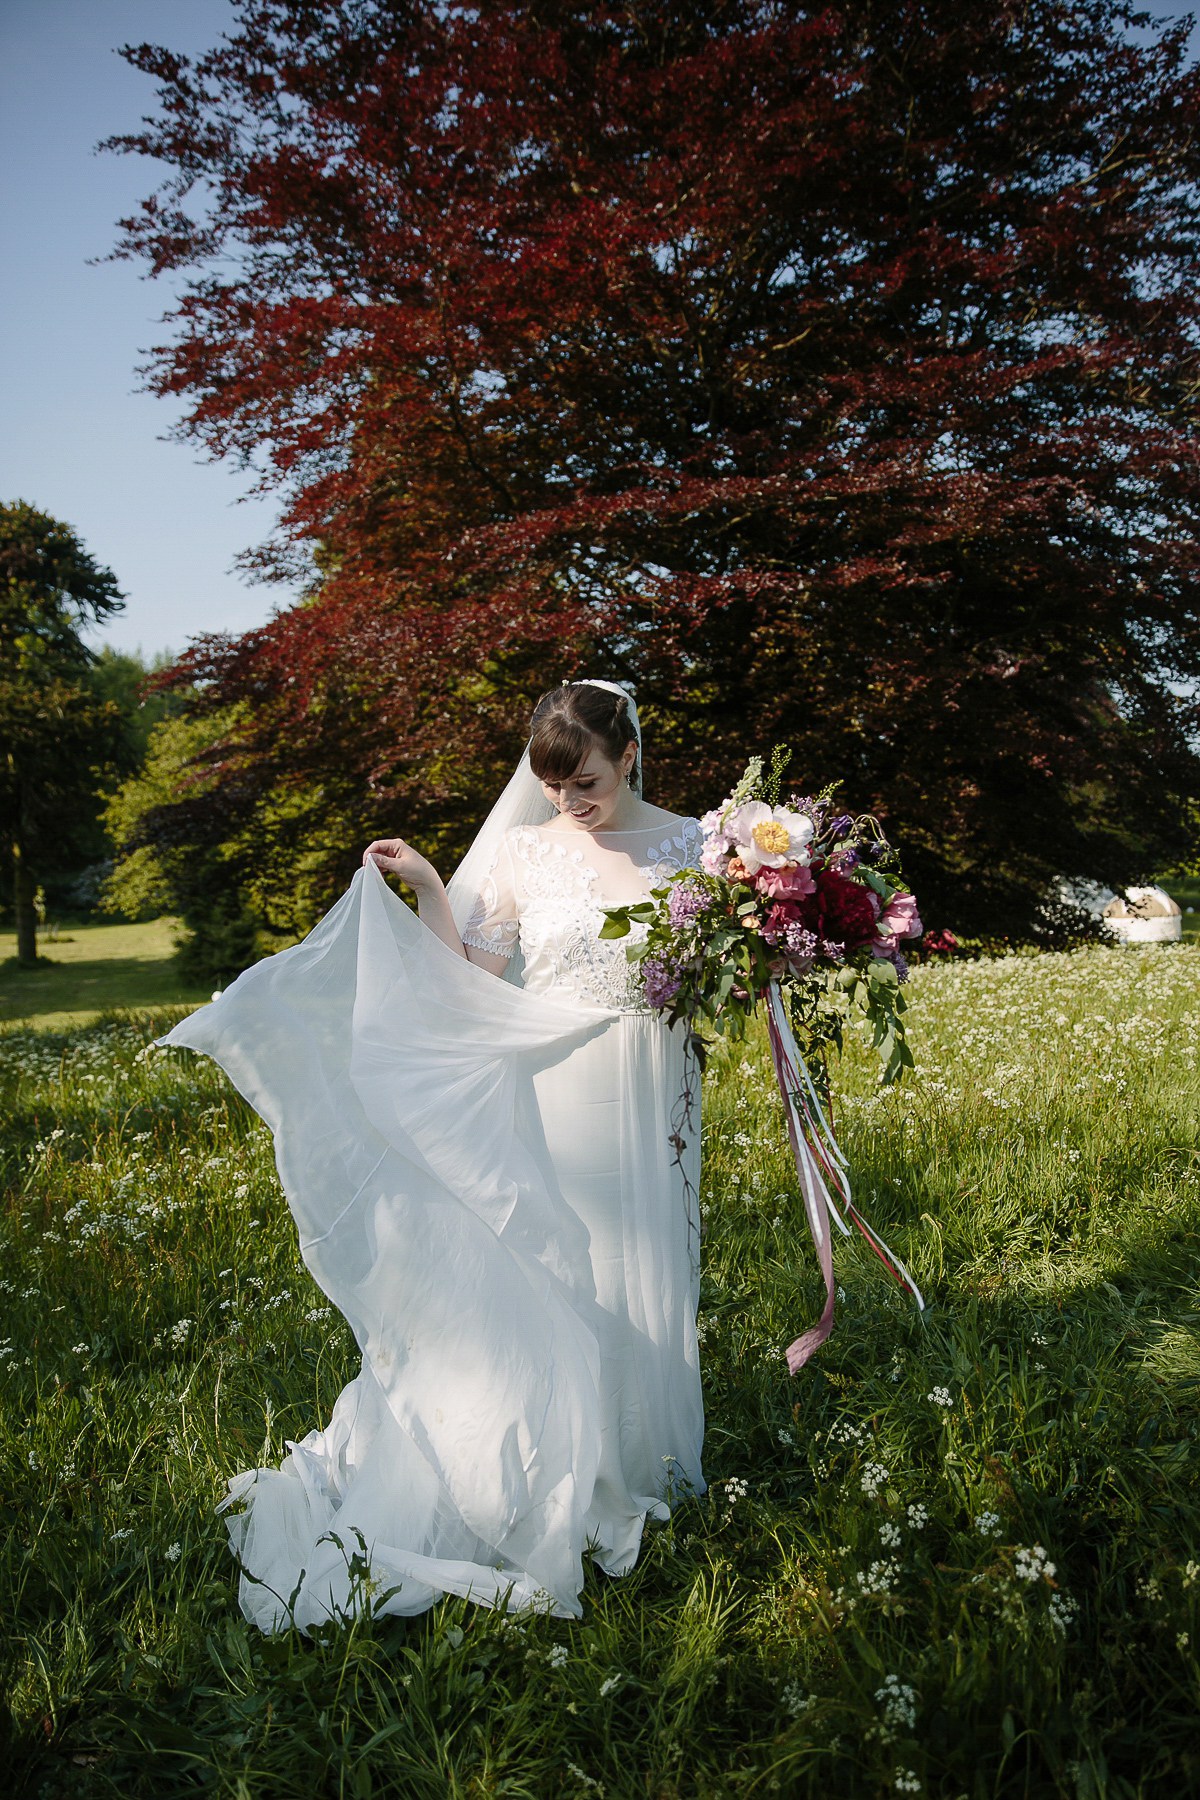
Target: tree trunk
23	892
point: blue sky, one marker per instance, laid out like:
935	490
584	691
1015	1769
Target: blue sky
76	437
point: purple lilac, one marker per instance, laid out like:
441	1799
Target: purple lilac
801	942
835	952
661	980
687	902
900	964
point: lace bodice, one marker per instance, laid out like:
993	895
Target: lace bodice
545	892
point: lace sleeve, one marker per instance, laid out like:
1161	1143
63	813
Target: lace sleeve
493	924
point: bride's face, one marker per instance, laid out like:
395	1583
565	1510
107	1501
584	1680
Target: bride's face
588	799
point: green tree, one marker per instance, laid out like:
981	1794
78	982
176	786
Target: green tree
243	881
61	736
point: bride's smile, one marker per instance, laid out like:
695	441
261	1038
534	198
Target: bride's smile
596	797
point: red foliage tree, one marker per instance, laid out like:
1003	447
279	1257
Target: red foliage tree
830	373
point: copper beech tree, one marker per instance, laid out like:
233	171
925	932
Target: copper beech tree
829	373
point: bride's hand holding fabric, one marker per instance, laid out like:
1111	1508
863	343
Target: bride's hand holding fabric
395	857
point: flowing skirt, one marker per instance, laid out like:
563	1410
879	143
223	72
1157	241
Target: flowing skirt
483	1185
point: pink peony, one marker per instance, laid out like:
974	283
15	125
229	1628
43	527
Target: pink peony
781	915
900	918
785	883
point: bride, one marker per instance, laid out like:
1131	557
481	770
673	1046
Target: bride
482	1178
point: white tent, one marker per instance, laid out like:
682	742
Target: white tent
1147	915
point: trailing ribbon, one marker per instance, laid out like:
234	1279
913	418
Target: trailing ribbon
820	1166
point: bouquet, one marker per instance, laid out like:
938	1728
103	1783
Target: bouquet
798	907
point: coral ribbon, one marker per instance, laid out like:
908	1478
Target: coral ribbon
820	1166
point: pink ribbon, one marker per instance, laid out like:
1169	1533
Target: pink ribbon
820	1166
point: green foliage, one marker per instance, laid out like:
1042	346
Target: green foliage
71	721
50	589
221	942
60	736
958	1556
243	881
117	676
781	756
146	872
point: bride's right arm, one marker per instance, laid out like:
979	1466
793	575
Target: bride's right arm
398	858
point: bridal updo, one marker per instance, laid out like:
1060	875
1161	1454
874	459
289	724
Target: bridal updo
574	719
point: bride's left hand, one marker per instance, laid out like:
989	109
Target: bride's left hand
396	857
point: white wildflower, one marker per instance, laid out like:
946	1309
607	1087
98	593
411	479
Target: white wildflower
796	1701
608	1685
1062	1610
907	1781
918	1517
735	1489
873	1477
1032	1564
173	1552
941	1396
899	1702
987	1524
880	1577
558	1656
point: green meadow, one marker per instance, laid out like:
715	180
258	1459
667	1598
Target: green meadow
957	1556
88	969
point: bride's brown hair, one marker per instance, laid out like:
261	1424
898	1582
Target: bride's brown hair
573	719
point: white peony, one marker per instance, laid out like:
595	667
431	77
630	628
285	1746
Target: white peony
768	837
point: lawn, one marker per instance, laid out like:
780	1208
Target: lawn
90	969
959	1555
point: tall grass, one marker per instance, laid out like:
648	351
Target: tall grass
957	1556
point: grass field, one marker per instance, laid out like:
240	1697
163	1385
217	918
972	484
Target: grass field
957	1556
90	969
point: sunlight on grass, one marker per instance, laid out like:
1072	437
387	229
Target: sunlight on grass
89	969
957	1556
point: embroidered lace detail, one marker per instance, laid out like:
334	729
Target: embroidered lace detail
560	910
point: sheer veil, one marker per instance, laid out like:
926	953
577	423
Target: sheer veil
521	803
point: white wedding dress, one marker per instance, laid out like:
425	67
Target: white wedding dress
482	1180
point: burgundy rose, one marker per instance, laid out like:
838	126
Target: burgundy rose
840	910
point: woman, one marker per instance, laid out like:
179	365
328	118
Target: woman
481	1174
